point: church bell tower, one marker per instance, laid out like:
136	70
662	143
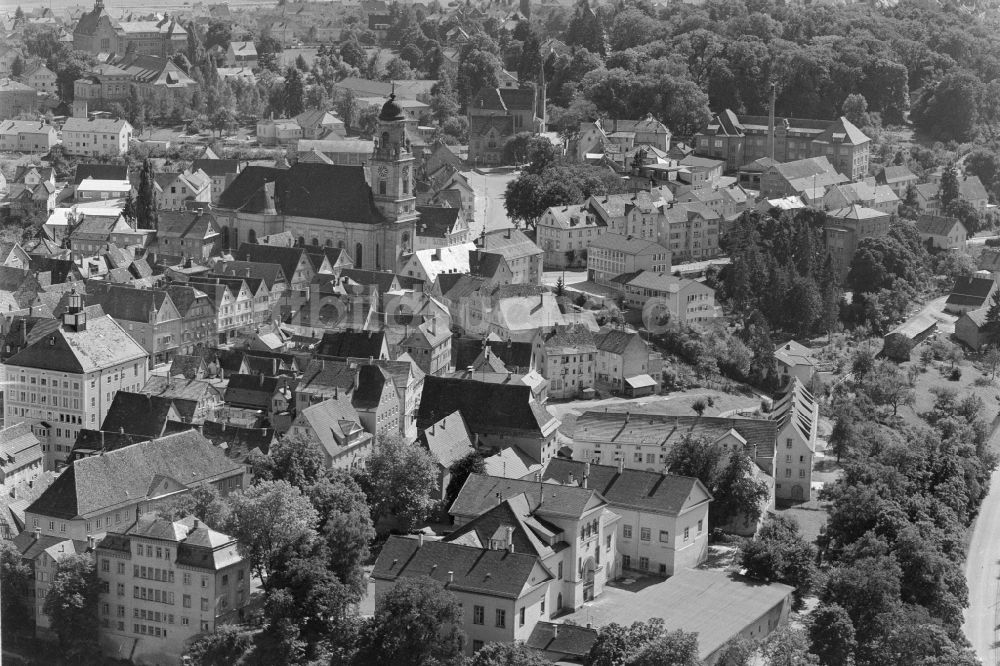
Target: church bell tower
391	174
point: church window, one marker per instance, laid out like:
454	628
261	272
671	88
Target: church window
381	187
358	255
315	242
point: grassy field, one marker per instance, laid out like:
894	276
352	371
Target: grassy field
937	375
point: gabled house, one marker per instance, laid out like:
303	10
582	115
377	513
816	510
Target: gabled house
221	172
426	265
335	426
570	360
448	441
429	345
354	344
500	415
571	529
621	356
944	233
141	415
98	492
207	398
610	255
795	362
797	418
149	316
970	293
21	458
185	234
898	178
176	191
664	523
268	395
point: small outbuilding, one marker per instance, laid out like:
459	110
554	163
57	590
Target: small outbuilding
898	344
640	385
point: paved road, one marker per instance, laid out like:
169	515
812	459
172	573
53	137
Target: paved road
489	188
982	571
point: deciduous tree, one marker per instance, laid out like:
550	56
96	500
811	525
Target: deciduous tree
268	517
416	622
398	481
71	604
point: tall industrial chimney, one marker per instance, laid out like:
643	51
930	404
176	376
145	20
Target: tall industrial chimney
770	123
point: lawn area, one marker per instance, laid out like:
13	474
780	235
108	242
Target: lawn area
937	374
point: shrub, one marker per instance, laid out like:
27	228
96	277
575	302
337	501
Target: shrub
955	374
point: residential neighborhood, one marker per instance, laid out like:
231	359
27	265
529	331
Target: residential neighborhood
482	334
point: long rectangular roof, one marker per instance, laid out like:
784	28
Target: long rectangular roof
498	573
633	488
481	493
322	191
117	478
657	429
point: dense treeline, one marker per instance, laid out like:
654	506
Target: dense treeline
896	588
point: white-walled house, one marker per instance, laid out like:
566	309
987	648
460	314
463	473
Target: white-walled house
797	416
664	522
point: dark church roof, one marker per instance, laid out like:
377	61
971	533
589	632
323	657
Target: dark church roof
322	191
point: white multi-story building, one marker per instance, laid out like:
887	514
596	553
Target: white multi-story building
611	255
521	552
664	518
65	381
797	416
164	583
95	137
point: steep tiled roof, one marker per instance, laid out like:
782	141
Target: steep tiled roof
126	303
448	440
633	488
485	407
98	483
485	264
975	288
253	391
497	573
511	520
511	243
271	274
18	447
360	344
510	463
322	191
798	407
139	414
792	353
436	221
570	337
216	167
480	493
175	387
236	440
333	420
286	257
566	639
615	341
188	224
371	384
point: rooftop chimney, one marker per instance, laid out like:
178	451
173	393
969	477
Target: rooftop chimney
555	631
451	576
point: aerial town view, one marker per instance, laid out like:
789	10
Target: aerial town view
500	333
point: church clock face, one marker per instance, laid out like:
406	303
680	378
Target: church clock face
383	172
